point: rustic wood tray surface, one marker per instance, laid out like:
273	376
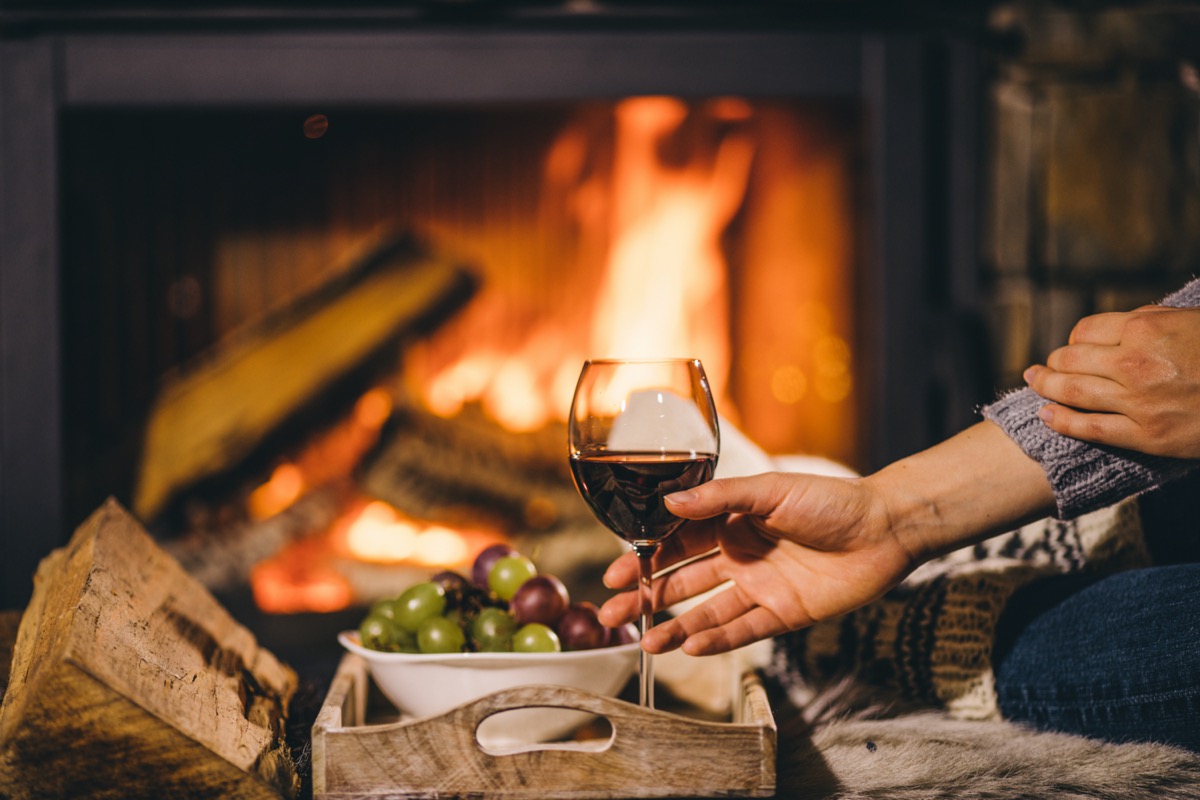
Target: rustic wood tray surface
648	754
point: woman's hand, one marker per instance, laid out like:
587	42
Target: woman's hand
1128	380
798	549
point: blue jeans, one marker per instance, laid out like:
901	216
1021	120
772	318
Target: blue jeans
1116	658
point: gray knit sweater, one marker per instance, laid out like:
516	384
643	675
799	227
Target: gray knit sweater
1084	476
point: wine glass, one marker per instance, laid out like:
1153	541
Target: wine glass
640	430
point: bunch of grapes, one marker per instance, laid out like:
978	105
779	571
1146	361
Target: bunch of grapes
505	606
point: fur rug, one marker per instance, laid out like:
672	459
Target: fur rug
837	748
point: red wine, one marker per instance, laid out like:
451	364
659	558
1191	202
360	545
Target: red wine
625	489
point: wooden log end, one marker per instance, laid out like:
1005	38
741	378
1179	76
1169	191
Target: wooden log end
130	680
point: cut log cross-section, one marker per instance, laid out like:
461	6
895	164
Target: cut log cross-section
130	680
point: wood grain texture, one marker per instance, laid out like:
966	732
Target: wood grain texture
9	622
130	680
649	754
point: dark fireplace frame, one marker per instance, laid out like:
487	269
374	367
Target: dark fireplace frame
920	94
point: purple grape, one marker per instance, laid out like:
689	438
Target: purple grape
486	559
580	629
542	598
454	584
623	634
451	581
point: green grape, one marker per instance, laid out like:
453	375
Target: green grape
509	573
382	633
418	603
459	616
536	638
384	608
440	635
492	630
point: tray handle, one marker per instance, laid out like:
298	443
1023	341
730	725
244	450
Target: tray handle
621	715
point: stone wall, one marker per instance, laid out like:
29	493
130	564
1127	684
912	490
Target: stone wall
1093	173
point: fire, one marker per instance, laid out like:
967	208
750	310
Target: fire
371	551
310	575
655	225
332	455
373	531
380	534
298	579
439	546
508	385
665	289
334	569
624	256
284	487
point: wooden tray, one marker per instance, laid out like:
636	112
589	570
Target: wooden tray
648	754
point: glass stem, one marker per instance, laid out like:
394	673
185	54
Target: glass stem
645	664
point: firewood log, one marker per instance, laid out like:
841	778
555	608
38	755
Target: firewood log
130	680
214	414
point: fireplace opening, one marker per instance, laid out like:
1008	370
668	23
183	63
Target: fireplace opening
724	228
338	267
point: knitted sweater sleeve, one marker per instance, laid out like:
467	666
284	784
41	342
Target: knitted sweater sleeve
1086	476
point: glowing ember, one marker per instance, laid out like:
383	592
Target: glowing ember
367	554
297	579
284	487
373	409
461	382
378	533
332	455
437	546
514	398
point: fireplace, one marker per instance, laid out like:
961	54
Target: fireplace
109	121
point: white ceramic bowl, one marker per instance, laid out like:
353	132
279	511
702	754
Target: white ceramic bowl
423	685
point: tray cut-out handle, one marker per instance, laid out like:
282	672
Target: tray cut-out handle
563	698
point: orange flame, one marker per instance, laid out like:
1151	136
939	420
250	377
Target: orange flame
328	572
378	533
299	579
658	228
665	287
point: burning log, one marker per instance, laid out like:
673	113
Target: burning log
434	467
130	680
220	553
470	468
274	378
